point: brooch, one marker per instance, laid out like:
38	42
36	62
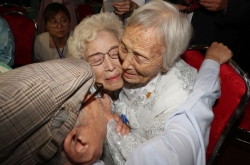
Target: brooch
148	94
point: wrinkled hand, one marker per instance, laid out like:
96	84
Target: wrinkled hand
214	5
121	127
106	107
218	52
123	7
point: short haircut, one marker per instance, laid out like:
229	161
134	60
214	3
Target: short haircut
171	27
87	31
53	9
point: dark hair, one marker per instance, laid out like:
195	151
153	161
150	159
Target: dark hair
52	9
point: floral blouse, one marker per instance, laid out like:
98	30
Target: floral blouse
147	107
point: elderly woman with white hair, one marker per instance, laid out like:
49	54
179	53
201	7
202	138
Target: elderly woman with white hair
96	40
157	80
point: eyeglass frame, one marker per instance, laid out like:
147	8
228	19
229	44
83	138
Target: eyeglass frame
57	22
103	55
99	91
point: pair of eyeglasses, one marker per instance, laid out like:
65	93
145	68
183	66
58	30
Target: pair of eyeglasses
98	58
96	91
54	23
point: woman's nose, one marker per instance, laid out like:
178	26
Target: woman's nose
109	66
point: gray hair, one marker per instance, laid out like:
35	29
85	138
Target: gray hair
87	30
171	26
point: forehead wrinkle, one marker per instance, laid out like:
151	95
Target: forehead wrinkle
133	42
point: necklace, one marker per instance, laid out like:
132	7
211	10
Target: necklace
60	53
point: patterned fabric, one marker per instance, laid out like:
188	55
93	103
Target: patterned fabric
30	98
147	108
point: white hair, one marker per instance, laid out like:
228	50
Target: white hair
87	30
171	27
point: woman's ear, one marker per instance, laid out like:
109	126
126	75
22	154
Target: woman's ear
76	147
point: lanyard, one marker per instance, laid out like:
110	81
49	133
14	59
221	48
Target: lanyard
60	53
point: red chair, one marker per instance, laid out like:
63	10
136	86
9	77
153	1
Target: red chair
83	10
6	7
244	123
24	30
229	107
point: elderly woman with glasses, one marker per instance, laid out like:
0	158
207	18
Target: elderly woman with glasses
96	39
52	44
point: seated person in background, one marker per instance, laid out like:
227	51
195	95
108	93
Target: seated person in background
44	3
96	39
7	44
55	120
53	44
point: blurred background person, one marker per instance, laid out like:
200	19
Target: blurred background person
53	44
224	21
44	3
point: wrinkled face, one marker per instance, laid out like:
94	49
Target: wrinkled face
63	25
109	72
84	143
141	54
96	129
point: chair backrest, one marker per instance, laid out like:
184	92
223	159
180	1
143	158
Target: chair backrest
83	10
244	122
24	30
228	108
6	7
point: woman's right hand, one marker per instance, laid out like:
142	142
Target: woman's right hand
121	127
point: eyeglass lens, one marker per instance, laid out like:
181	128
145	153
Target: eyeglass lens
54	23
98	58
